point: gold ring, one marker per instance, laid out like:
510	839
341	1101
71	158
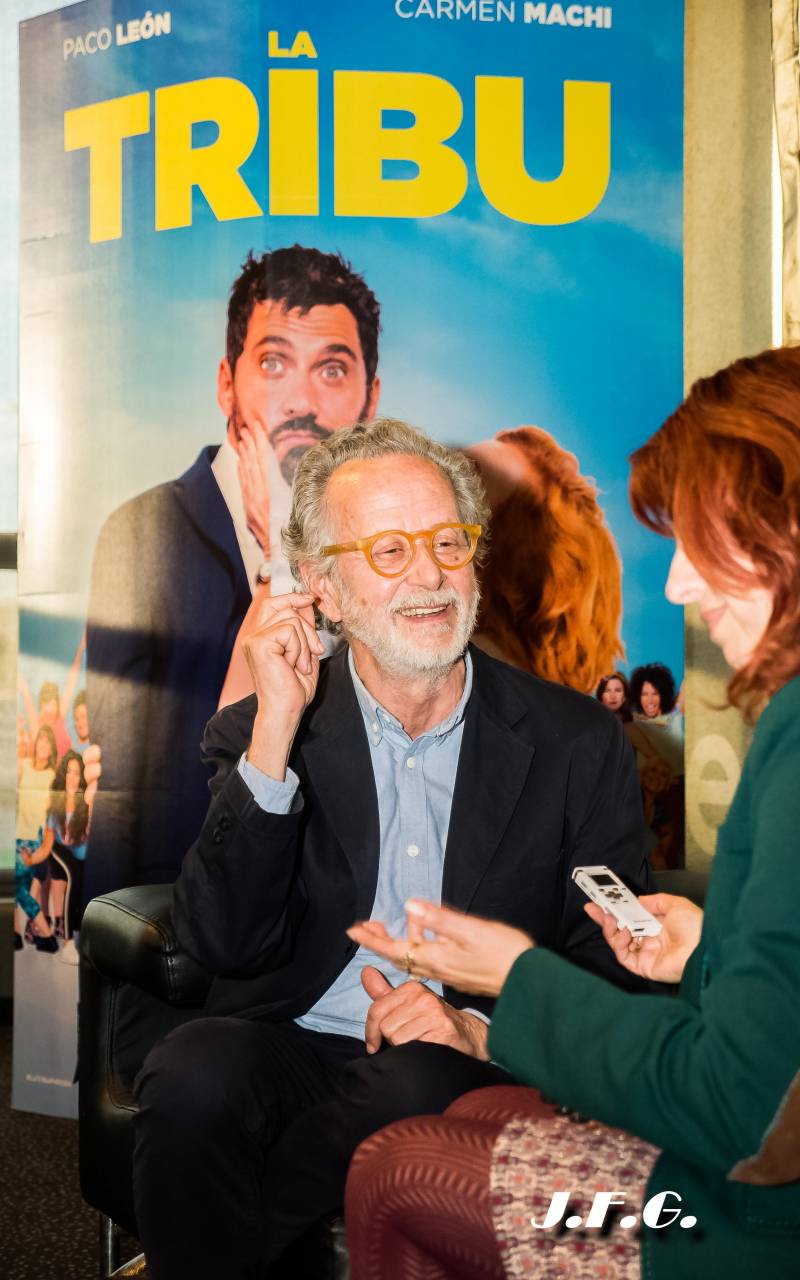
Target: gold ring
636	943
409	965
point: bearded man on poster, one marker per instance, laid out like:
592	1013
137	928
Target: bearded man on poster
175	568
407	763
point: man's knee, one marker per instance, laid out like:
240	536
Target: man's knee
201	1072
415	1079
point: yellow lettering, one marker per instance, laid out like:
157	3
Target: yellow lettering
102	127
499	152
363	143
303	46
214	168
293	143
274	49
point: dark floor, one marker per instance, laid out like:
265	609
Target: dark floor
46	1230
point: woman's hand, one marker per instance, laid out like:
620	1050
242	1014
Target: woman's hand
662	958
466	952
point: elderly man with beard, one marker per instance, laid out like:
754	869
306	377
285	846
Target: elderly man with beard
176	568
408	763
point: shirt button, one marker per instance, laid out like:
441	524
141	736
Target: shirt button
412	850
411	762
375	727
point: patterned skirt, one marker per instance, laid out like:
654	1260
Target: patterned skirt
534	1159
451	1197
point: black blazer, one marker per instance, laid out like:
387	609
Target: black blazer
546	781
168	595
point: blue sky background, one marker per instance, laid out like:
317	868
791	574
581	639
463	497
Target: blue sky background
488	323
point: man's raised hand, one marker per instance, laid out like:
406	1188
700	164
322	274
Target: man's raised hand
283	652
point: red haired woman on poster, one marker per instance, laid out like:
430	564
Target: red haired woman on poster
552	583
694	1101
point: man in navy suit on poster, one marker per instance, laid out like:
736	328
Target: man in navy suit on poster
175	568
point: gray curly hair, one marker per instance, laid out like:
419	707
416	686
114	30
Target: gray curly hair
308	528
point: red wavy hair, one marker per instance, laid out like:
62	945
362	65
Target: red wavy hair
723	475
552	582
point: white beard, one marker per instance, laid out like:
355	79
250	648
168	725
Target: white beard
402	655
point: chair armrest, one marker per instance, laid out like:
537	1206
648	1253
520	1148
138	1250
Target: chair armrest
686	884
128	936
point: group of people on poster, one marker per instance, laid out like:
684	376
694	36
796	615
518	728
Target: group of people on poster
651	708
180	570
53	813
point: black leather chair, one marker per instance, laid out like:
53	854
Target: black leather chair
136	984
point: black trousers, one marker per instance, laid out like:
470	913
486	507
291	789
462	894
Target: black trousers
245	1131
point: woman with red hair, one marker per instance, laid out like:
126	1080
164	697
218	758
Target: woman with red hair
552	583
694	1101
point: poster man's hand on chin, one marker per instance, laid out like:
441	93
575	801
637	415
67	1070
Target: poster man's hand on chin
253	467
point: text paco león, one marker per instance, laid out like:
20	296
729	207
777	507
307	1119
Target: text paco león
148	27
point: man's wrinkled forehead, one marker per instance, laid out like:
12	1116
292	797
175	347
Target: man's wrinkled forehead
367	495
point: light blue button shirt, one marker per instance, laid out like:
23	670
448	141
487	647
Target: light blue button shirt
414	780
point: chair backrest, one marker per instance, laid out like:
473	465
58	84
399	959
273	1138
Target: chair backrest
136	985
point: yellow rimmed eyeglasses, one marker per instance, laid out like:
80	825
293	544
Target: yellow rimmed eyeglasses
390	553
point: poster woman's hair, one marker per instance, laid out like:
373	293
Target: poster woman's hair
79	823
50	738
625	710
552	583
662	680
723	476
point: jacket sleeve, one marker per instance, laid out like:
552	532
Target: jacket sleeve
704	1080
608	829
238	898
119	659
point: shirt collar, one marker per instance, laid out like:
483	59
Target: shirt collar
378	719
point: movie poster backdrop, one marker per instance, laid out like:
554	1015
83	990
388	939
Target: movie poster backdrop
504	180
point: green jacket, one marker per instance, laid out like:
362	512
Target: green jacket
702	1076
